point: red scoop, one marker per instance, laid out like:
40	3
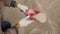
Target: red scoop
31	12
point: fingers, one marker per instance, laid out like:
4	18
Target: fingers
26	18
30	21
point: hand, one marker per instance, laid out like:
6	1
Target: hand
22	7
25	21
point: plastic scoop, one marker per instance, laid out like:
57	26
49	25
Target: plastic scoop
40	17
33	13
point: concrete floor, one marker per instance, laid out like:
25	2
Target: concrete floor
50	7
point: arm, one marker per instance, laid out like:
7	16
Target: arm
9	3
1	12
1	15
